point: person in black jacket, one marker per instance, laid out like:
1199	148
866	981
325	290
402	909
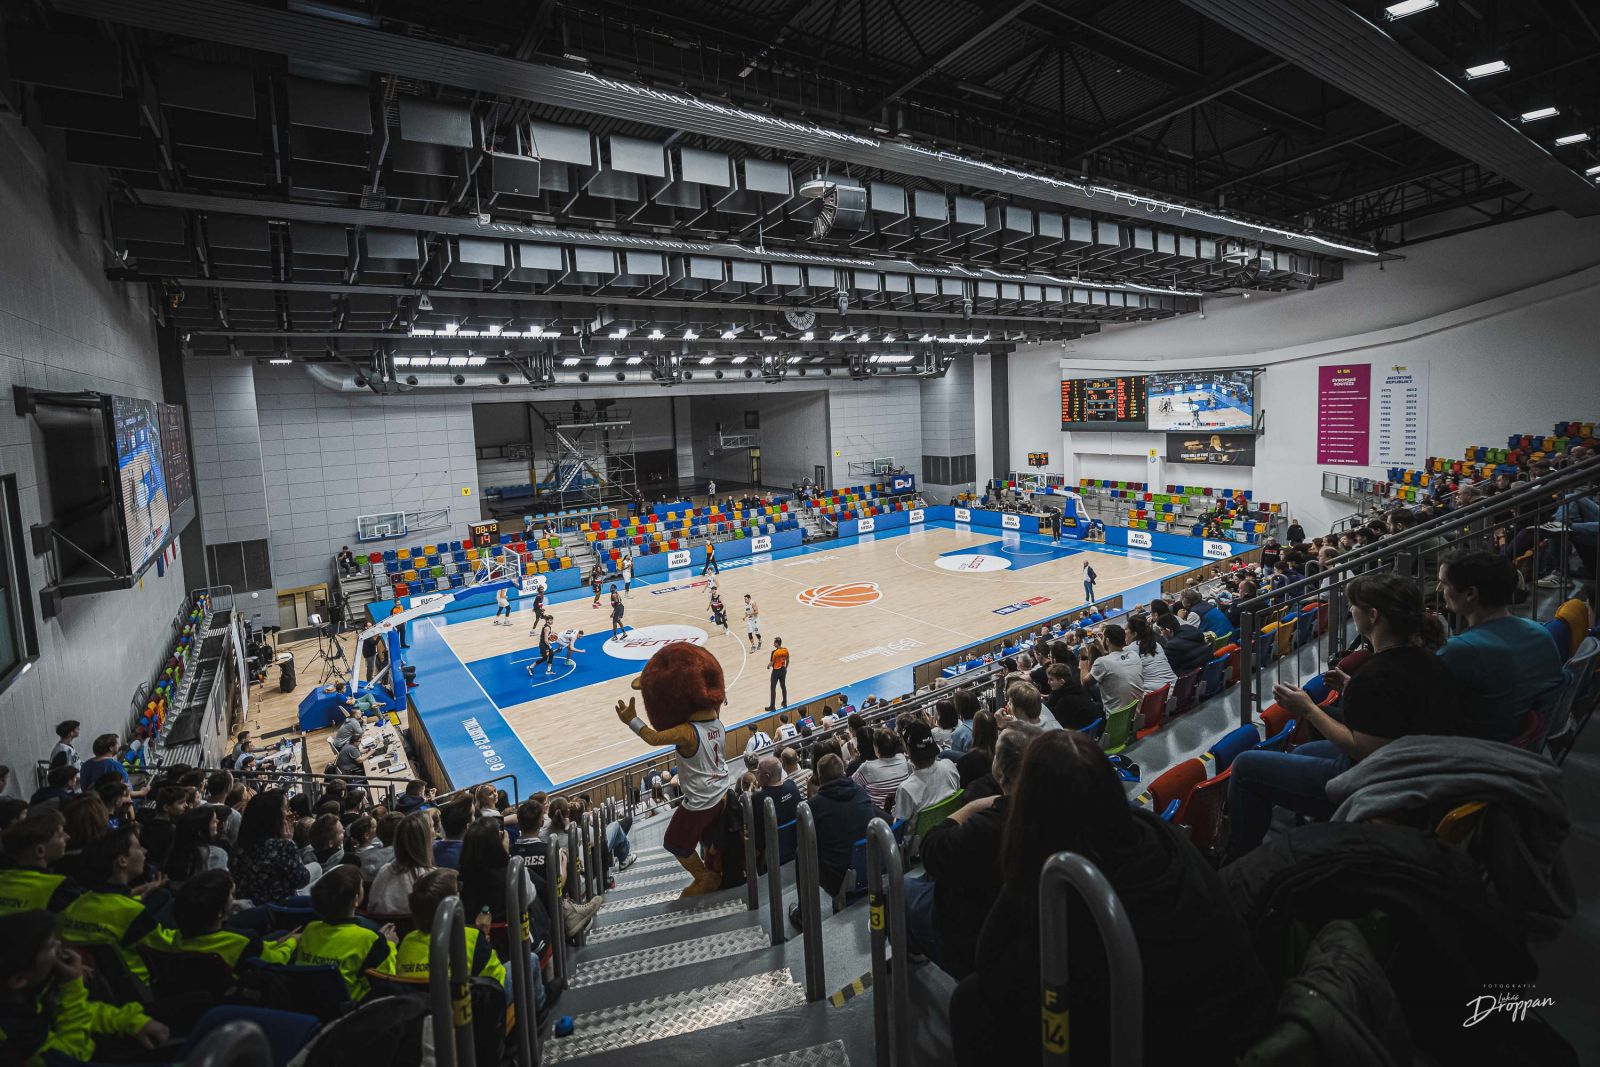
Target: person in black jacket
946	907
1173	899
1067	700
1187	647
840	811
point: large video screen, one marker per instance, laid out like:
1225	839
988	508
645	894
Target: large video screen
146	511
1116	403
1203	400
175	457
1229	449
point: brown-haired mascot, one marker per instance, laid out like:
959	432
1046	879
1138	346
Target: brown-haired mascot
683	691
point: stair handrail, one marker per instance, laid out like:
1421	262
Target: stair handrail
1069	872
551	891
450	987
574	857
752	900
519	941
774	859
891	990
808	879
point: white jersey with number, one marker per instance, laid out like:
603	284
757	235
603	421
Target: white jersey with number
566	638
752	620
703	777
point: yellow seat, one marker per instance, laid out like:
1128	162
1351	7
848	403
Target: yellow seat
549	553
472	553
543	567
402	553
589	537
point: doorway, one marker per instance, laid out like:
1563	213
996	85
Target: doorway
755	467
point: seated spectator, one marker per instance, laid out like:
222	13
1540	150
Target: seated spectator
1155	670
1402	688
45	1009
787	731
976	761
350	730
417	795
794	773
413	858
109	911
195	845
28	849
759	740
158	830
60	786
933	779
1113	667
411	957
948	720
881	777
1172	898
1500	661
266	865
841	810
379	851
784	796
338	938
946	908
967	706
1024	705
454	818
86	821
218	786
327	841
863	743
1187	648
200	912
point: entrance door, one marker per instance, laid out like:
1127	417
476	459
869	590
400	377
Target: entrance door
819	475
755	467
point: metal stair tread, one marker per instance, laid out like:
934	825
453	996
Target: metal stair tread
662	902
682	1011
633	986
680	876
831	1054
649	924
682	953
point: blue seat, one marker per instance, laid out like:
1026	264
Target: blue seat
1225	751
287	1032
1095	729
1306	626
455	546
1213	677
1171	811
1266	648
318	990
1278	741
1316	688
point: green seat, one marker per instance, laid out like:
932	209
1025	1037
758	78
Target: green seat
1119	728
936	813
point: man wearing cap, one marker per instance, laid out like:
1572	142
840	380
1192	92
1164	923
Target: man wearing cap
933	780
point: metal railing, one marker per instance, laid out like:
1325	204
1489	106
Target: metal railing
1063	874
772	854
752	900
233	1044
886	916
807	882
1509	522
450	988
519	941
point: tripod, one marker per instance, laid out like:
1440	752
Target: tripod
330	653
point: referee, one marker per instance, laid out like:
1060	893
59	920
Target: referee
778	664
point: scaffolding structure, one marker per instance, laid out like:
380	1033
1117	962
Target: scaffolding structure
588	457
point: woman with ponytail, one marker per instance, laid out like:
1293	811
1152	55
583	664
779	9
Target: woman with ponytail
1401	688
1155	670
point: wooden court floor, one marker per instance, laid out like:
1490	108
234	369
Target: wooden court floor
906	609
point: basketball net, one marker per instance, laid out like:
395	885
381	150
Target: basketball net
504	566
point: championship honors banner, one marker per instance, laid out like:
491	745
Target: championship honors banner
1225	449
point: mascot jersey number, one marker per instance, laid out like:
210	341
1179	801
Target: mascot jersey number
683	690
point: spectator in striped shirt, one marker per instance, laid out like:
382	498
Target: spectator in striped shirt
881	777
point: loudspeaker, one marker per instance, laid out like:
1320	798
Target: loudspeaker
286	677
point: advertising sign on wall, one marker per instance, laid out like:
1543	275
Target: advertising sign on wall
678	559
1138	539
1344	413
867	525
963	515
916	516
1011	522
1402	415
1227	449
1217	550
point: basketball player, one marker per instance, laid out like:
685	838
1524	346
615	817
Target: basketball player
538	610
568	639
617	629
752	623
627	575
594	583
719	611
547	647
502	606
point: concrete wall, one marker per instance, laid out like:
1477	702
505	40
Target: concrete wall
793	434
874	419
1504	317
228	471
63	326
948	427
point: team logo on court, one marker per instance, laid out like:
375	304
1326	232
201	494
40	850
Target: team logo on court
972	564
646	641
844	595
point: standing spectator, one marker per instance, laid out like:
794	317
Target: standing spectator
1505	665
1297	533
66	733
778	664
454	819
933	780
1173	899
266	865
104	763
1089	578
881	777
413	858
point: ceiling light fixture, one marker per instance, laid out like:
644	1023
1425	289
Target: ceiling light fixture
420	333
603	361
458	361
740	359
279	361
769	337
807	336
402	361
495	329
619	333
1572	138
728	335
1540	113
706	360
1408	7
634	361
1483	70
451	327
690	335
435	361
656	335
571	361
477	361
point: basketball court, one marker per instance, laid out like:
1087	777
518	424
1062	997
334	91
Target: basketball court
856	613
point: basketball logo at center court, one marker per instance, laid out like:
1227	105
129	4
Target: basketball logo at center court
844	595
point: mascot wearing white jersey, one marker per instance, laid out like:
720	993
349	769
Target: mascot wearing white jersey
683	692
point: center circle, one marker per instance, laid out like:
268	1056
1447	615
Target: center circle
972	564
646	641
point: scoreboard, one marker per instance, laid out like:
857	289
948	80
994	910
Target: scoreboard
1116	403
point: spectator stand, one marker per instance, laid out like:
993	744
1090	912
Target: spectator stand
956	664
1229	514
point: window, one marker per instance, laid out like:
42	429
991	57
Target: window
240	565
752	420
19	638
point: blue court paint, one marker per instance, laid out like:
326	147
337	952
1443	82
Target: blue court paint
506	681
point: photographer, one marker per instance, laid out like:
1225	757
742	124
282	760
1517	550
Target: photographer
1116	670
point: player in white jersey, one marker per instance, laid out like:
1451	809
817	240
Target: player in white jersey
568	639
682	686
752	623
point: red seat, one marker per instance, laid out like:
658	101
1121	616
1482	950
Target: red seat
1177	783
1203	812
1532	730
1152	711
1275	718
1184	700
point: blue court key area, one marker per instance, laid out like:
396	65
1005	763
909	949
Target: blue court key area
1030	552
505	679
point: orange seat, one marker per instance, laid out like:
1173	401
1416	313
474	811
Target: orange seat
1152	711
1274	719
1177	783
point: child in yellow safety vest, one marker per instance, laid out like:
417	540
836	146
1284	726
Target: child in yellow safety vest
337	938
109	912
411	958
27	849
200	909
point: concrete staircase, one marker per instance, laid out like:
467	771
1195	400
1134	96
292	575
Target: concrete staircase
697	982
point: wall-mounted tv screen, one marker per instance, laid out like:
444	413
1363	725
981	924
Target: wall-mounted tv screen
1114	403
146	511
175	461
1203	400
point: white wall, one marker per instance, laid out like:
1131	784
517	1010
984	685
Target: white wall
1505	318
948	426
64	327
875	419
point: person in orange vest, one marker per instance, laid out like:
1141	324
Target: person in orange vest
778	664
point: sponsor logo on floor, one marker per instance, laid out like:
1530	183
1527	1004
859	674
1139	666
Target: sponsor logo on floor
680	587
968	563
843	595
1024	605
903	644
644	642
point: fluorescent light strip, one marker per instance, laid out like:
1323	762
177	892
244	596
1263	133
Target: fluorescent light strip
458	361
740	359
1483	70
477	361
1408	7
1540	113
1594	169
280	362
706	360
634	361
1572	138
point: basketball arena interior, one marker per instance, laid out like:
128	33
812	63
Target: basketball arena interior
795	533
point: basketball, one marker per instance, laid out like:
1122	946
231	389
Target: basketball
845	595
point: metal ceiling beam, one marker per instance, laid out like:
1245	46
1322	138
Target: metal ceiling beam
1310	152
1170	109
974	36
314	39
1333	42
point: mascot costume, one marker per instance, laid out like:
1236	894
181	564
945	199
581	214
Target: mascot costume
683	692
